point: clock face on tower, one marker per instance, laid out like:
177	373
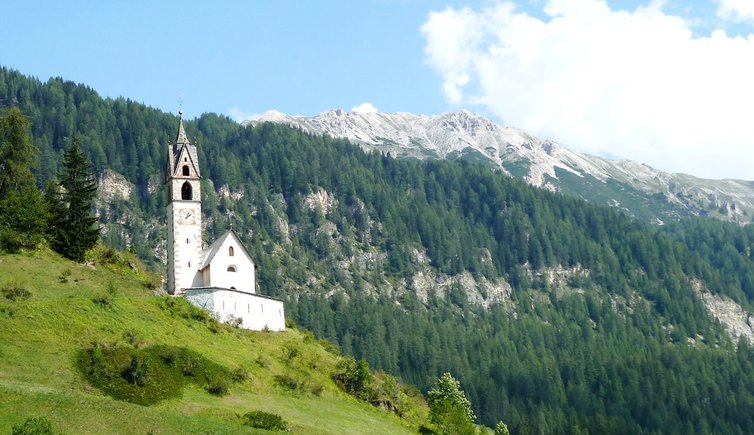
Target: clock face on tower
186	216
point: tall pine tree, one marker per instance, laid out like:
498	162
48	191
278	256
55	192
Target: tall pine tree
18	155
75	226
22	211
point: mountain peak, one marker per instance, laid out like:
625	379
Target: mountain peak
463	134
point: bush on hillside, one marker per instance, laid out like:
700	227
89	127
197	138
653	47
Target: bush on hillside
150	375
15	292
264	420
33	426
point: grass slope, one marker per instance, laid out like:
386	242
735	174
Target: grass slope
73	305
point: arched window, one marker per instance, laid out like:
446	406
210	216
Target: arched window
185	171
231	268
186	191
230	252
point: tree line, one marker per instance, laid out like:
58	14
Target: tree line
626	347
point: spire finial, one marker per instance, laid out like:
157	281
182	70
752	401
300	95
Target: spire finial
181	137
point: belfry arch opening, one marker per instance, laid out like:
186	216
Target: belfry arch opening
186	191
186	172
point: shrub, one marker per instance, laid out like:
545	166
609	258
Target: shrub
264	420
15	292
294	384
132	338
240	375
290	351
316	389
33	426
104	300
217	387
149	375
354	378
262	362
63	277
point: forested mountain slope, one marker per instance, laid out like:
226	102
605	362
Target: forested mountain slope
557	315
639	190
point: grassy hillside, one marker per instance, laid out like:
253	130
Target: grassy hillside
70	306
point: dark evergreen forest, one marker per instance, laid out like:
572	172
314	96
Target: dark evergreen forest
626	346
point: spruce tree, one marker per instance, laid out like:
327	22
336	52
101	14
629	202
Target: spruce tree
22	212
76	225
18	155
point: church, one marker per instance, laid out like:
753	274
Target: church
220	279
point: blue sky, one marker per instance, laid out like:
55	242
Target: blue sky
663	82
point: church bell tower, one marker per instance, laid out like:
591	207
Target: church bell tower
184	209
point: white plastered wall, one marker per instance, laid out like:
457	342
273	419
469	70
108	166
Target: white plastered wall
256	312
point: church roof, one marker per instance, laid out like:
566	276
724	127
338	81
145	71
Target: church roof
181	137
174	151
217	244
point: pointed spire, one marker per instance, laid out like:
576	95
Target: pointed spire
181	138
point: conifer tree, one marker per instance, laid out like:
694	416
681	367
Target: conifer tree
22	212
18	155
72	211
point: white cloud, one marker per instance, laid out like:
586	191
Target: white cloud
364	108
238	115
634	84
736	10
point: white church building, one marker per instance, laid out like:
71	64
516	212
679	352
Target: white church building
222	278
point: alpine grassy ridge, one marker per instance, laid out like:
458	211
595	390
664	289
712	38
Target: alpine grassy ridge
556	315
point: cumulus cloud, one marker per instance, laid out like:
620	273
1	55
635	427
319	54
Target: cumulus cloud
736	10
634	84
364	108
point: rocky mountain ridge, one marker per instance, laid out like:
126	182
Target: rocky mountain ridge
642	191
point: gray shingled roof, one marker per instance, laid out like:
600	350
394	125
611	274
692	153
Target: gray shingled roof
215	247
181	138
174	151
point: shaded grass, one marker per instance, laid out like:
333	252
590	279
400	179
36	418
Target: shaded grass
150	375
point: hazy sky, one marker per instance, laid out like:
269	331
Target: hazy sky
668	83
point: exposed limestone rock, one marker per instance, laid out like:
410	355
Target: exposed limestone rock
482	292
737	321
322	200
225	192
113	185
153	184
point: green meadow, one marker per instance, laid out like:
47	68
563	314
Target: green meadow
51	309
